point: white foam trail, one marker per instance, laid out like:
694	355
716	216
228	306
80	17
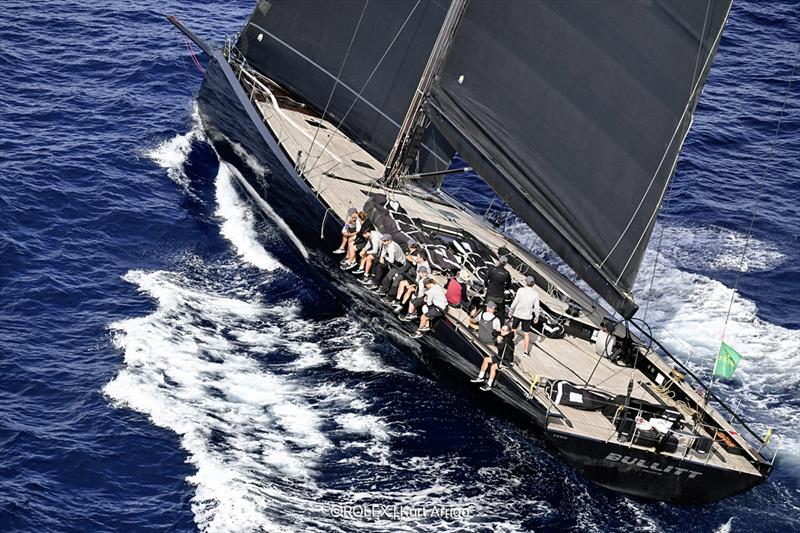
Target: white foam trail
716	249
185	374
688	311
726	527
238	223
255	437
267	209
258	432
171	154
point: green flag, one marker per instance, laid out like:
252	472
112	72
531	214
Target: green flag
727	360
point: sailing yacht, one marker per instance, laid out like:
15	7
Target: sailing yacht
574	113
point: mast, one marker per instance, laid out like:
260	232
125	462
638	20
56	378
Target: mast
410	135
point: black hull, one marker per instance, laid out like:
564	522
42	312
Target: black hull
238	133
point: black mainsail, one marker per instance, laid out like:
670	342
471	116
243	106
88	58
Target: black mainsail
575	113
359	61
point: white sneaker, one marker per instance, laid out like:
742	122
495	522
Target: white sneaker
339	251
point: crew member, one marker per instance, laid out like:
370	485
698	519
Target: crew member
498	280
435	306
504	355
524	309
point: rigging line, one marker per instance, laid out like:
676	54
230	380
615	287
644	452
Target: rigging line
330	75
183	64
374	70
665	209
338	75
663	158
760	190
193	55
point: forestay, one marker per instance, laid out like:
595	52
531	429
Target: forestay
575	112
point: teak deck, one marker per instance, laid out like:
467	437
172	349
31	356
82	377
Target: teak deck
343	175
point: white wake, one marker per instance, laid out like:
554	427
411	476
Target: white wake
171	154
239	222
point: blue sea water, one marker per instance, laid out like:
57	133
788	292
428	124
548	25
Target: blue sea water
167	363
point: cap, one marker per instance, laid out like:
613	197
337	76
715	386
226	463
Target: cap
351	211
491	305
386	237
413	243
422	270
464	275
503	260
530	280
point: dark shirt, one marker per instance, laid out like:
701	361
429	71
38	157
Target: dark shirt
505	345
497	281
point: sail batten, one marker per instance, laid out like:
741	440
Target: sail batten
575	112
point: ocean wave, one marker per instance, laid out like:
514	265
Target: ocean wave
172	154
238	223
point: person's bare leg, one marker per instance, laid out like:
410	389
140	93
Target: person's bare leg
483	366
492	372
527	341
423	322
401	288
408	294
368	266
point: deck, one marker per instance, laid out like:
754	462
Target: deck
343	175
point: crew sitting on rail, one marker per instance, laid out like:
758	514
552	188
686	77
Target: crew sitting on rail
504	342
369	252
456	292
498	280
355	242
391	255
604	344
435	306
414	286
397	273
488	324
475	306
524	309
351	227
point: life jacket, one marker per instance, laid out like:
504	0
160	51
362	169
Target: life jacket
453	293
485	329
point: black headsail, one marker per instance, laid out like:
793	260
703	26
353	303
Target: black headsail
303	45
574	113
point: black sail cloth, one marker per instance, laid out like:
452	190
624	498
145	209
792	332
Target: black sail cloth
575	112
302	45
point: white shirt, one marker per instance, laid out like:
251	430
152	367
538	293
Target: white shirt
526	304
435	296
374	243
421	281
600	347
393	253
